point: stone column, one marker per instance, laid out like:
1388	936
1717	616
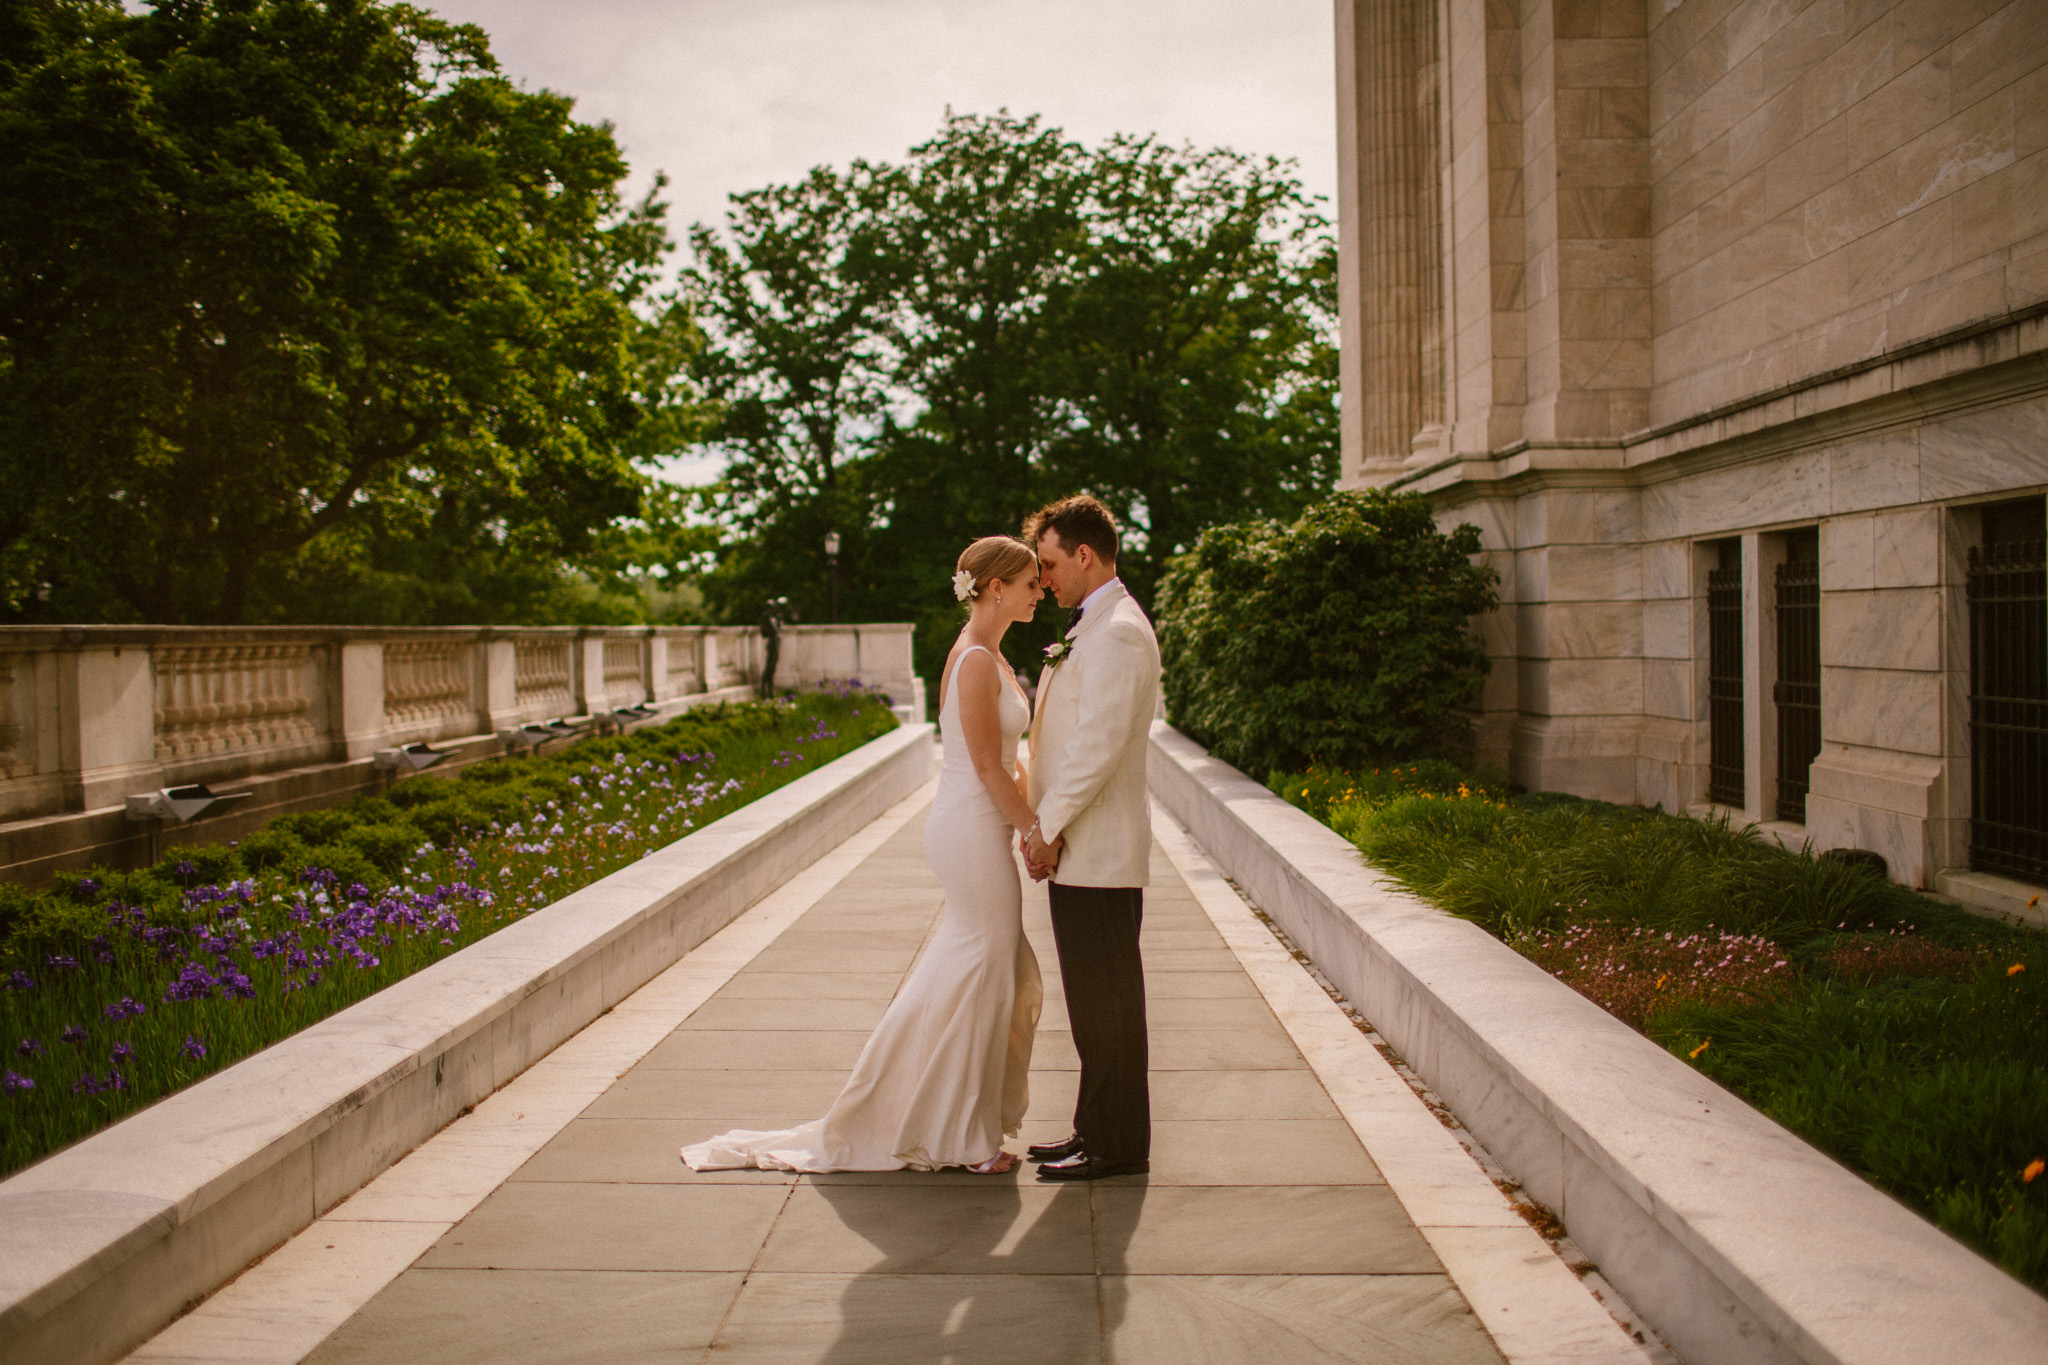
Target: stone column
1586	165
1428	442
1392	296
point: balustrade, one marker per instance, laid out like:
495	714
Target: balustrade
425	681
625	671
224	699
543	673
90	714
684	671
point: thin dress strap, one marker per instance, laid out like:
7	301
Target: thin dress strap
953	678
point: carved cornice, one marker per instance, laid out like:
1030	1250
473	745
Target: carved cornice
1987	363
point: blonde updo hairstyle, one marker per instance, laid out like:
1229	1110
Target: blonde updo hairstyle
992	558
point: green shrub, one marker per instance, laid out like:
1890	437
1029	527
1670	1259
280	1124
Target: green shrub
1343	639
273	847
385	845
316	826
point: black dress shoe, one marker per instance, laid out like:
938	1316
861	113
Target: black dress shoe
1081	1166
1054	1151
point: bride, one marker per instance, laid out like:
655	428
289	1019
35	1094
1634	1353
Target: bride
942	1079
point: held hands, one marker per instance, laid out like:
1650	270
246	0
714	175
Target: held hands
1041	858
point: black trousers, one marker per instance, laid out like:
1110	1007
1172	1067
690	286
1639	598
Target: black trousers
1095	929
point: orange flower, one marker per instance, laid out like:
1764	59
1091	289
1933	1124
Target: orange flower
1695	1053
2034	1168
2015	969
2033	901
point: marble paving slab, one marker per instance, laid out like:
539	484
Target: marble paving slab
557	1224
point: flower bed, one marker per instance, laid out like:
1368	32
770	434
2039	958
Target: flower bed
1905	1037
119	987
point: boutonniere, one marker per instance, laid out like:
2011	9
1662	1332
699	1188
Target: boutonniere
1056	651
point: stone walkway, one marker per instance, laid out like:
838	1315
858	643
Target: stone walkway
1264	1233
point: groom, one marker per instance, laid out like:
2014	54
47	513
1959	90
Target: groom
1093	837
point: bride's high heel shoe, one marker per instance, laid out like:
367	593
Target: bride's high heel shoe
1002	1163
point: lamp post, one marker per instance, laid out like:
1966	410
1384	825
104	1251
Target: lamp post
832	571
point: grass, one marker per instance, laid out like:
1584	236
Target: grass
117	988
1904	1036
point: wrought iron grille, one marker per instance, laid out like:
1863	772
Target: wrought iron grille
2008	588
1797	693
1725	776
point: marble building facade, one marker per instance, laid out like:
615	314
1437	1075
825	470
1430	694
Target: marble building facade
1726	321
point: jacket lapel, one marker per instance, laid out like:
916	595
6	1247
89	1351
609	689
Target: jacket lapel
1089	620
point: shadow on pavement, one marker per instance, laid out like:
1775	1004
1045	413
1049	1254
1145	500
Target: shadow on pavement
980	1307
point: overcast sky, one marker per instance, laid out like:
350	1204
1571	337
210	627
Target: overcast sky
729	96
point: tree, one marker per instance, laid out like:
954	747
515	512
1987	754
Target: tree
305	309
919	354
1342	638
798	378
1197	365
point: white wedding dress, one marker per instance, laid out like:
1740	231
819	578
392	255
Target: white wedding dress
943	1078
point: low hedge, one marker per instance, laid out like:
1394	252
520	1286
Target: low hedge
1904	1036
120	987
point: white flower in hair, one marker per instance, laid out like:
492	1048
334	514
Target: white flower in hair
963	585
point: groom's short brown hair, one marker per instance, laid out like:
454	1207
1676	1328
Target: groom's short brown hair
1076	520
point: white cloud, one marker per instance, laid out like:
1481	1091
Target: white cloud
727	97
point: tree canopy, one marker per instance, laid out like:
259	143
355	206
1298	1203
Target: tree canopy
307	312
916	354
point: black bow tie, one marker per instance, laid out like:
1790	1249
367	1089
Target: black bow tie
1074	621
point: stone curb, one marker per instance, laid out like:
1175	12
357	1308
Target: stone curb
1739	1242
105	1242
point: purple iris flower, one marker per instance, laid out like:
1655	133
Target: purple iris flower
193	1048
192	984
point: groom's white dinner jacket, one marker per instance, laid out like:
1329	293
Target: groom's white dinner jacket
1088	744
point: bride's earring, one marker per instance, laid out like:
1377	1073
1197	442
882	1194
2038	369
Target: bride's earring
999	601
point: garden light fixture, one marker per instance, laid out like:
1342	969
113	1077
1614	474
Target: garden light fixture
531	735
181	805
411	757
832	572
